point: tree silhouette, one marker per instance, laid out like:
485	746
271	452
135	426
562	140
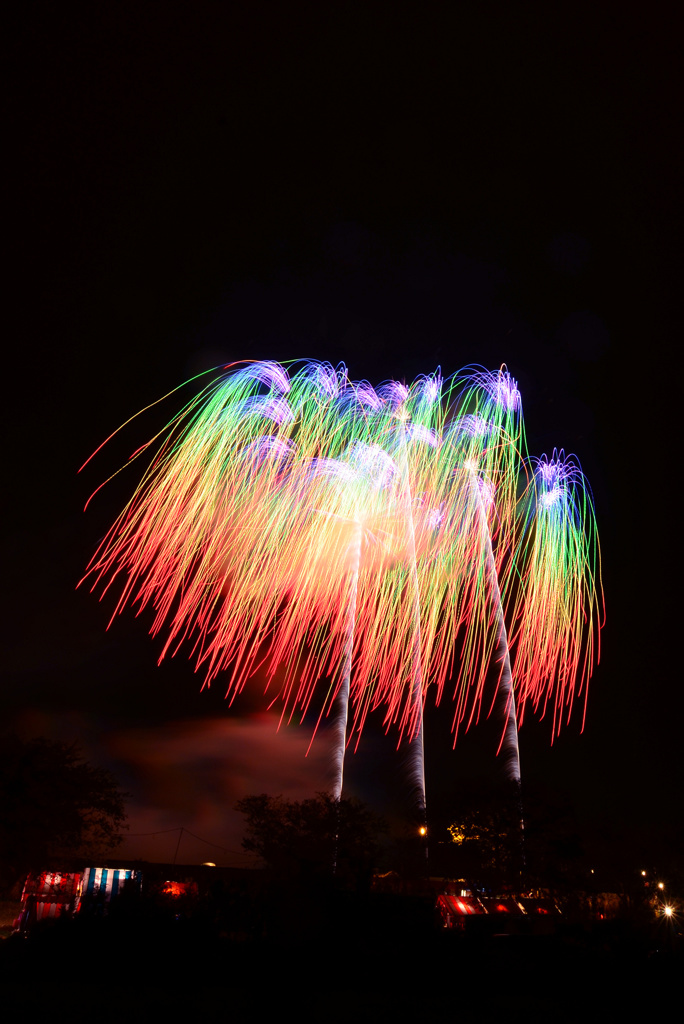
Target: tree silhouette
301	840
488	844
54	803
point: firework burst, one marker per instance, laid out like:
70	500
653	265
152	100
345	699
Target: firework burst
367	540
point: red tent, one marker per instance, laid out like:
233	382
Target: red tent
47	895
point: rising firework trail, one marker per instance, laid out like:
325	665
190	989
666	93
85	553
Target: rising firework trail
366	543
350	503
501	429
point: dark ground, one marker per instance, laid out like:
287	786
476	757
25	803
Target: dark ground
364	960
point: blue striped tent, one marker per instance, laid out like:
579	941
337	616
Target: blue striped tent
100	884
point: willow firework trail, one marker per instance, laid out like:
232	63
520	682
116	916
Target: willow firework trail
343	698
558	609
293	521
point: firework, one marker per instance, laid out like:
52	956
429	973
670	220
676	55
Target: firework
369	540
556	607
500	428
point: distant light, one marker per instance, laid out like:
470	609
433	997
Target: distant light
208	864
661	885
643	873
174	888
422	830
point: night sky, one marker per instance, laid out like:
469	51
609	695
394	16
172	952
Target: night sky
395	187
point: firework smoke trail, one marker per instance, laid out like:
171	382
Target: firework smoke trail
420	422
502	413
417	760
505	697
340	729
350	504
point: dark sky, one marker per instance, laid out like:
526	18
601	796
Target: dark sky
395	187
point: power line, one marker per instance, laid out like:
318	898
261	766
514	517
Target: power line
182	829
